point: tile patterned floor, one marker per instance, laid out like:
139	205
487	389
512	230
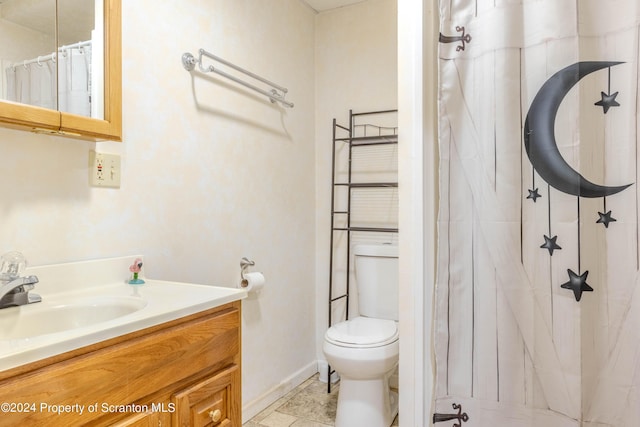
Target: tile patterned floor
308	405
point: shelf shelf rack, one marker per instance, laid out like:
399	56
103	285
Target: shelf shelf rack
354	136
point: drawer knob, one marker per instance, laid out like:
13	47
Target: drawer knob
215	415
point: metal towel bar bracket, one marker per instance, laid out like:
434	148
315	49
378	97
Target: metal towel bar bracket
276	93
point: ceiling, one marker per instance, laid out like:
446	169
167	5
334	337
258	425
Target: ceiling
324	5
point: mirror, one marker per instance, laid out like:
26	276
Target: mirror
60	70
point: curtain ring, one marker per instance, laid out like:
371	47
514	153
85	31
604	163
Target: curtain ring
24	64
39	63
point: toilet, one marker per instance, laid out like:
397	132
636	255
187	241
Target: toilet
364	349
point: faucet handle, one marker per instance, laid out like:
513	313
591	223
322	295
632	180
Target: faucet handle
28	287
31	280
12	264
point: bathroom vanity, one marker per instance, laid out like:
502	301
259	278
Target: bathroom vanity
173	361
183	373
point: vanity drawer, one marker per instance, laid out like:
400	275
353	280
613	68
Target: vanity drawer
210	402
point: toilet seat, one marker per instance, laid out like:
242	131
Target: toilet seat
363	332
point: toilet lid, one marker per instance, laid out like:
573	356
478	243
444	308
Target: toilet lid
364	331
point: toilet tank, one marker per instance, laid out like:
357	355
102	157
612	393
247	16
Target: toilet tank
376	273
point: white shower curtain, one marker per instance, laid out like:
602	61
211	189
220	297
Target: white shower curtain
35	83
74	83
538	289
32	84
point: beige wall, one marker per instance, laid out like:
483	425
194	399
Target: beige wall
25	44
356	68
211	172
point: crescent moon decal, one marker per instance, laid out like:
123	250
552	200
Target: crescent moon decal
539	137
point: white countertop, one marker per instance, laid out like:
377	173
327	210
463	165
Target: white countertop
161	301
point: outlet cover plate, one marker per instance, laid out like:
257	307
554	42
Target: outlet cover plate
104	170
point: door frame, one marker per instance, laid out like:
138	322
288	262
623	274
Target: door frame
418	177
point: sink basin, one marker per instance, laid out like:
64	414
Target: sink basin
88	302
41	319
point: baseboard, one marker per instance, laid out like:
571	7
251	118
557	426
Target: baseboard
251	409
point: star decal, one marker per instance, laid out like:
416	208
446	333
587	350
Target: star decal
533	194
550	244
577	283
605	218
607	101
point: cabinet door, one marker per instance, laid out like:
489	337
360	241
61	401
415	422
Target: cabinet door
36	95
214	401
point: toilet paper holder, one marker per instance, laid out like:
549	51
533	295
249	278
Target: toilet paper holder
244	264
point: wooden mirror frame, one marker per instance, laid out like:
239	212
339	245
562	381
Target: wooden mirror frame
43	120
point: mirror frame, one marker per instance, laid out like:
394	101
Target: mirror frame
43	120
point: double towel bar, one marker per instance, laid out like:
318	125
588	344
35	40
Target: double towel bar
277	93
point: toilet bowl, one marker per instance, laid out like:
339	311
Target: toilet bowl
364	351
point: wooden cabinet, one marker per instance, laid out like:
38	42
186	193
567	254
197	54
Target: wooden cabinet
43	120
209	402
184	373
142	419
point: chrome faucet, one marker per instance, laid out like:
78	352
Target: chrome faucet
16	292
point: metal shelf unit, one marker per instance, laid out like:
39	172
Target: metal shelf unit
354	136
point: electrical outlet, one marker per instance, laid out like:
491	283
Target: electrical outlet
104	170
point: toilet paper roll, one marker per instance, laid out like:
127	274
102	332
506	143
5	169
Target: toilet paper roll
252	282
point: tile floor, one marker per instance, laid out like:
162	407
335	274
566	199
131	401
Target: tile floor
308	405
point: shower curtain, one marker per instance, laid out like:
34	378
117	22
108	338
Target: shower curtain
538	293
32	84
74	82
35	83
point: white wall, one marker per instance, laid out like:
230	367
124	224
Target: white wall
371	56
356	68
26	44
211	173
